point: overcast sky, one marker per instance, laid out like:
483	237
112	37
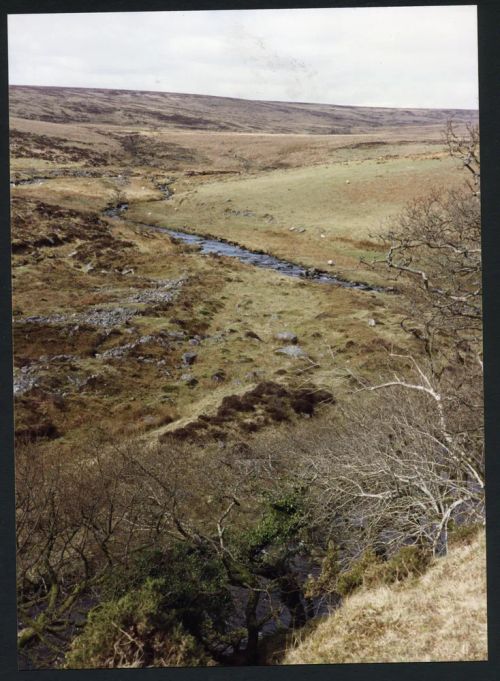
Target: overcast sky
386	56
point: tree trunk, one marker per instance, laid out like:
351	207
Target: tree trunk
252	649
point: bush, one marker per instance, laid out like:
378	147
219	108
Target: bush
281	524
409	561
462	534
190	586
353	578
130	632
326	583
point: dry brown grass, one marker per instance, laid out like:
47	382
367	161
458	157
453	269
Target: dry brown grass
332	189
439	617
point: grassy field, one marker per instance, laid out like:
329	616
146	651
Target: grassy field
312	214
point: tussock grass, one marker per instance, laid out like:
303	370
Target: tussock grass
439	617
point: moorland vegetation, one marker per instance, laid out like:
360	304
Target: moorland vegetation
211	457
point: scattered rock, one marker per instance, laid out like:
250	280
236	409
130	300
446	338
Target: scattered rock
254	374
294	351
287	337
330	262
163	292
189	358
241	213
219	376
189	379
176	335
252	334
371	322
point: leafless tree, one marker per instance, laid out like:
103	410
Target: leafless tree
71	527
407	455
435	253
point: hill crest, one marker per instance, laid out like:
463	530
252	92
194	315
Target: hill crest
154	110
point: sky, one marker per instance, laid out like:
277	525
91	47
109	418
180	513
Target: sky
384	56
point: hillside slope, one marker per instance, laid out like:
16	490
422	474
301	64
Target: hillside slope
204	112
439	617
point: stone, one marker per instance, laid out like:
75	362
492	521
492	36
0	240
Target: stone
252	334
176	335
371	322
287	337
330	262
189	379
189	358
293	351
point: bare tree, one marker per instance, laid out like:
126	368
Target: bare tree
435	253
407	456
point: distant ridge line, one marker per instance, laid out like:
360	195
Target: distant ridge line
151	110
242	99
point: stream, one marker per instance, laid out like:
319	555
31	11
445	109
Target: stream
213	246
210	245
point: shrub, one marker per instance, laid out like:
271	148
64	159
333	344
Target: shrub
409	561
190	587
462	534
129	632
326	583
353	578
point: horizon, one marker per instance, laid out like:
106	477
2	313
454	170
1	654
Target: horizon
244	99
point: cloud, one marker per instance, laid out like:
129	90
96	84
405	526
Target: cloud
386	56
